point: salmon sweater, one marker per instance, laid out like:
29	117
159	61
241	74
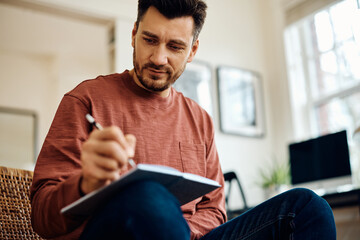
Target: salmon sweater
172	131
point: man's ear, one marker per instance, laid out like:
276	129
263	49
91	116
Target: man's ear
193	51
133	35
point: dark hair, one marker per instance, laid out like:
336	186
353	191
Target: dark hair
174	9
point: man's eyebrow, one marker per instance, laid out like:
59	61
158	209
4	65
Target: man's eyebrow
179	42
149	34
176	41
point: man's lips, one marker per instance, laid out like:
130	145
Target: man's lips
157	72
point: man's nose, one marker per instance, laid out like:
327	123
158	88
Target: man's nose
159	55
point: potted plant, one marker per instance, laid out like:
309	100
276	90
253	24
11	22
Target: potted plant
275	178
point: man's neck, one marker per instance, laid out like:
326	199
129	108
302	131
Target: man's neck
163	94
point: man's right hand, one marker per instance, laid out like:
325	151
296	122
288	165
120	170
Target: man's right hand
104	154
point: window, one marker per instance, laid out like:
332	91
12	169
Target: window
323	61
323	55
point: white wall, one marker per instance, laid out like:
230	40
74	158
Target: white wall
239	33
235	28
43	56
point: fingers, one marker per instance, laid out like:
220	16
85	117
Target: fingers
114	136
103	155
100	168
109	149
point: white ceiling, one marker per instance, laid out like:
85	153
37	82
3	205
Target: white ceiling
125	9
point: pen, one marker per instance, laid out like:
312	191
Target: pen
92	121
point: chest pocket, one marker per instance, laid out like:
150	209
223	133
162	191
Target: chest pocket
193	158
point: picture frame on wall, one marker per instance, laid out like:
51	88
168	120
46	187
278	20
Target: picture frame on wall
196	83
18	138
241	107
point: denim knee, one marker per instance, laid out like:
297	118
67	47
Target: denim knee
309	199
312	210
303	194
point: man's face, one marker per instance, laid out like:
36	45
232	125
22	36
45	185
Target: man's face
162	47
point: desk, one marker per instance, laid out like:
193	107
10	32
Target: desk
346	209
343	199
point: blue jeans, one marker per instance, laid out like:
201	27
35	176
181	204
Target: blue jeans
146	210
143	210
298	214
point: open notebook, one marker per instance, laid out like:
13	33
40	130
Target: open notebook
184	186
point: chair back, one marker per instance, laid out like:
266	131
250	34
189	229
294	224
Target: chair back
231	178
15	222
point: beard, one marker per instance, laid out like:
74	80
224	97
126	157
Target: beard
153	82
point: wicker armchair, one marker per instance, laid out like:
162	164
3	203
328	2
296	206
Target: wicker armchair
15	208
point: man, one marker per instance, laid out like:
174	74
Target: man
152	123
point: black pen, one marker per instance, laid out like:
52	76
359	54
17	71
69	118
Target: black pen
98	126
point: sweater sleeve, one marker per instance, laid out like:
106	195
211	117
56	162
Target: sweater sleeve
210	211
58	170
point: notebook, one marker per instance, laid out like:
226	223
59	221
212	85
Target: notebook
184	186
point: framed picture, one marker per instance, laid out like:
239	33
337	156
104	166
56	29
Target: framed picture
18	138
240	102
195	83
